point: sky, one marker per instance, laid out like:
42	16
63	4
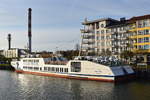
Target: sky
56	24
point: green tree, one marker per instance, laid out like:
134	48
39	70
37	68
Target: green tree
108	52
127	55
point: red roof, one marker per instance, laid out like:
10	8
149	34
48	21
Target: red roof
139	18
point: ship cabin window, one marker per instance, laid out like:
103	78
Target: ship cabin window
57	69
31	62
30	68
75	66
24	67
36	68
53	69
60	69
45	68
66	69
40	68
54	59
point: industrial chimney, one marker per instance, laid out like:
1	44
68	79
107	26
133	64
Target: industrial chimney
29	29
9	41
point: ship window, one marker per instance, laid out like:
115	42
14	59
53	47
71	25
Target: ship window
45	68
24	67
75	66
66	69
61	69
49	69
40	68
36	68
57	69
53	69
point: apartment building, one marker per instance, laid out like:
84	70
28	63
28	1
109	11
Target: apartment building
140	33
96	37
116	36
120	37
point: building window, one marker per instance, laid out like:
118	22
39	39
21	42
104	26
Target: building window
102	31
140	33
107	37
124	28
102	25
102	37
97	32
97	25
112	30
146	32
140	40
146	46
102	44
139	24
145	23
98	38
140	47
107	31
146	39
120	29
116	30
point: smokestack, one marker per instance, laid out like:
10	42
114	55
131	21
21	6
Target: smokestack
29	29
9	41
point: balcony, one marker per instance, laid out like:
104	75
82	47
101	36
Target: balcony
88	37
89	42
141	50
115	46
86	30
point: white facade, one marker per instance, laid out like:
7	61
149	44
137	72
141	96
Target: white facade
96	37
12	53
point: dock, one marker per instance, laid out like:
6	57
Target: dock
142	71
6	67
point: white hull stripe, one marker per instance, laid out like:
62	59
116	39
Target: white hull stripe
73	74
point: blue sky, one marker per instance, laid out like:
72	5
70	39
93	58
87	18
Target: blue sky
57	23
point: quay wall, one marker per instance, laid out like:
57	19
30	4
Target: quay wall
6	67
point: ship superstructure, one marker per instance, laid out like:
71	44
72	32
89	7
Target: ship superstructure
85	69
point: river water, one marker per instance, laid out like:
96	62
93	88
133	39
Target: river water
15	86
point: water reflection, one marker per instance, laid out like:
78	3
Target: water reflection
15	86
67	89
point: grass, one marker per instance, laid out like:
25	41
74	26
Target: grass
4	65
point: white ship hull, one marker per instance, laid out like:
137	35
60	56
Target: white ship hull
74	69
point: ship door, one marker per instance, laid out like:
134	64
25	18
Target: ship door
75	66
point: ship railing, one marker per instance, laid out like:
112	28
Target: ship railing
112	62
57	62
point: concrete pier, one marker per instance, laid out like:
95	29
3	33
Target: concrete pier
6	67
142	72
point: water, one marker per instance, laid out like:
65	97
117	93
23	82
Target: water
15	86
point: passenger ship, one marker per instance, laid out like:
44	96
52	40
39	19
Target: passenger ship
80	68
